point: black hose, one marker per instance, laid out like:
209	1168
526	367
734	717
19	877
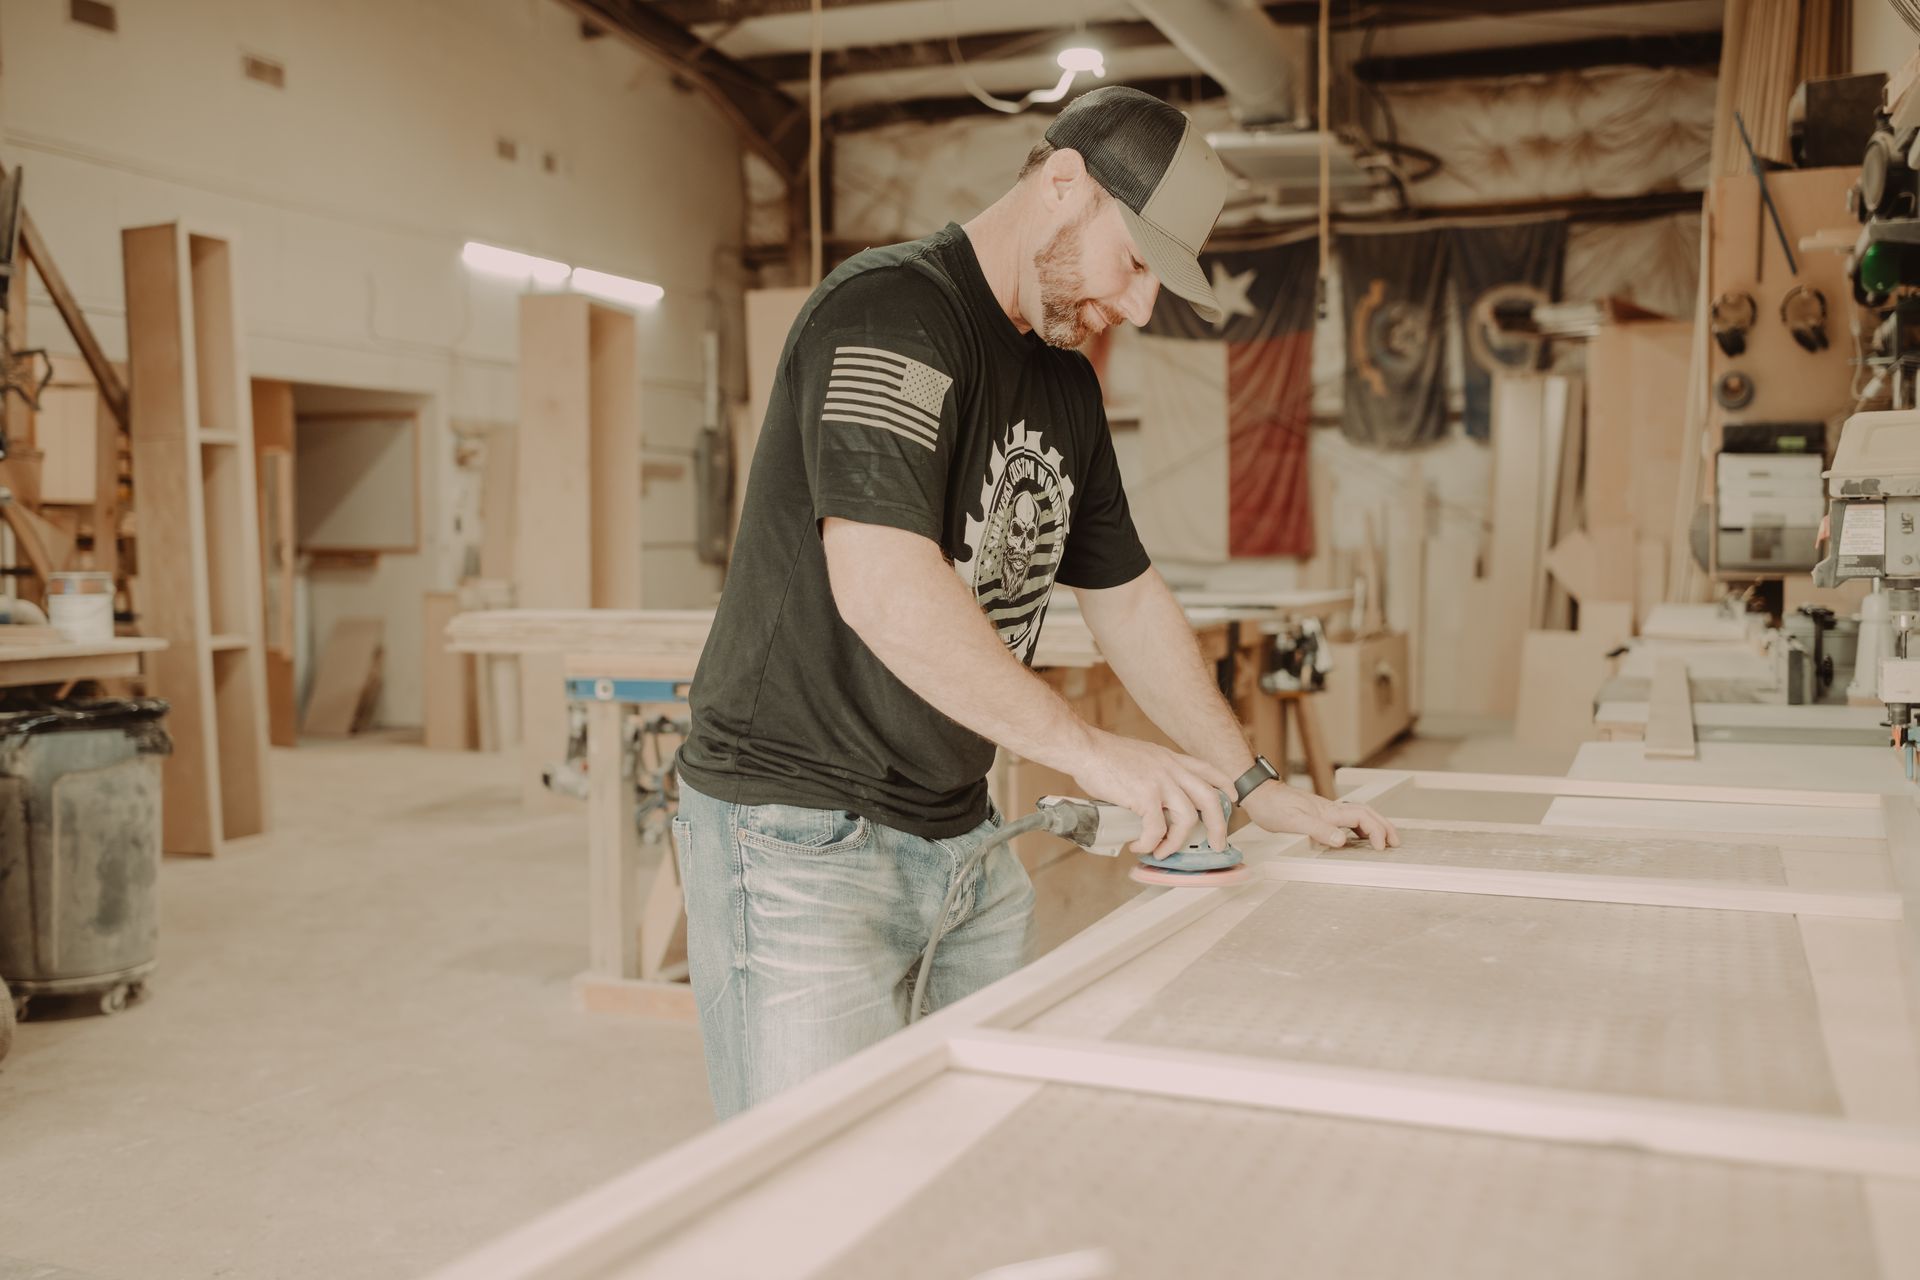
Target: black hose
1058	818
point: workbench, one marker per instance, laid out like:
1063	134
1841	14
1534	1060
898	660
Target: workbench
1499	1049
64	662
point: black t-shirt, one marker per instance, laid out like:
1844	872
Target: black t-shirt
904	397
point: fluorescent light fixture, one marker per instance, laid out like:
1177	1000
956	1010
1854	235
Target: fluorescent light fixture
495	261
1082	59
635	293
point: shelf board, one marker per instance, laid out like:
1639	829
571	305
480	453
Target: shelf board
228	643
229	438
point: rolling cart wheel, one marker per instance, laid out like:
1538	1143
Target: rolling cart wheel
113	999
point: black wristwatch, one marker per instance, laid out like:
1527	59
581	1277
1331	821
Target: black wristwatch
1262	771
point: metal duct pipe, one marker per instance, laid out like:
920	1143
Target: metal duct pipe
1234	41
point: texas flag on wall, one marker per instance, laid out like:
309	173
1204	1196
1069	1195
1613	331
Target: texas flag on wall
1226	411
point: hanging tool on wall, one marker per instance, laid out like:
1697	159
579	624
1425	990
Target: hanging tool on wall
1731	319
1768	208
1734	390
1804	311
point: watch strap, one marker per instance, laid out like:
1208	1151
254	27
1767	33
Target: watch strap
1262	771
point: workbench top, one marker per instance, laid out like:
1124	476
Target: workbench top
49	652
1065	640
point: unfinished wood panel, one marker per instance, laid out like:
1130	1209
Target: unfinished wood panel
578	540
273	433
613	428
283	700
1659	353
1500	602
647	1221
498	502
231	536
345	678
217	373
552	561
1790	384
67	431
1439	1205
448	692
231	580
1366	703
1670	712
173	531
237	698
1560	673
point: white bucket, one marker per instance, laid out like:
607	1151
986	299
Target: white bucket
80	606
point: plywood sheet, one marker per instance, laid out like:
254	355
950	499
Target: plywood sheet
1559	674
1234	1192
1690	1005
448	692
349	668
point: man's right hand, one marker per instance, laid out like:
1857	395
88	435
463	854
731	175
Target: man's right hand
1169	791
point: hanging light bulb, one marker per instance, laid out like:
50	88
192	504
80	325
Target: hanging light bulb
1080	59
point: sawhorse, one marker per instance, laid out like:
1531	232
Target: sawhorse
630	945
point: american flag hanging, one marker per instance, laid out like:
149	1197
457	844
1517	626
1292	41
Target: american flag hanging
872	387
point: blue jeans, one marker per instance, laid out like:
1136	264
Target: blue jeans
805	929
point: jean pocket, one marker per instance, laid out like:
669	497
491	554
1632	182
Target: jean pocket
784	827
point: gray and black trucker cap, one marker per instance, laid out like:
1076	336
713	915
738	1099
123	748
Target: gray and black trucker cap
1169	182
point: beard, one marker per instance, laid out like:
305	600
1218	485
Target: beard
1064	306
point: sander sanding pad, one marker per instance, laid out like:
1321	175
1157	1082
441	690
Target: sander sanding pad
1166	878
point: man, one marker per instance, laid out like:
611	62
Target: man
935	457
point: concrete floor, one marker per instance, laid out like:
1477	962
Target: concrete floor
358	1057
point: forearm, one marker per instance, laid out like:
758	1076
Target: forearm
1145	637
909	607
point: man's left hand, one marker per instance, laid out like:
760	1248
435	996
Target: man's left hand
1277	807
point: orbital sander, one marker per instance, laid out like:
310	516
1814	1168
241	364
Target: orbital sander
1106	829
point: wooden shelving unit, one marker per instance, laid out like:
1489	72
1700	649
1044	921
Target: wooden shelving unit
579	536
191	428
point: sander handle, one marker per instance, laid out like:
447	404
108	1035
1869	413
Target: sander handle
1099	827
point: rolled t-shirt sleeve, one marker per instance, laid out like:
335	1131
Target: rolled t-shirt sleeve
872	380
1103	548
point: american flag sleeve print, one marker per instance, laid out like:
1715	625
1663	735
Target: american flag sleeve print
882	391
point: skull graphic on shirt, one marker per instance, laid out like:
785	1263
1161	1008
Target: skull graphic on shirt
1014	545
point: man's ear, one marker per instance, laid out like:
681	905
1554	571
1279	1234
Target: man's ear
1062	175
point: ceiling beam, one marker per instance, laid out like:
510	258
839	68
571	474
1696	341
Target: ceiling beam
933	54
911	55
693	12
1298	13
770	121
1179	90
1686	49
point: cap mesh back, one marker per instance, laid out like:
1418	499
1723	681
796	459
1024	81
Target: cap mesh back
1126	137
